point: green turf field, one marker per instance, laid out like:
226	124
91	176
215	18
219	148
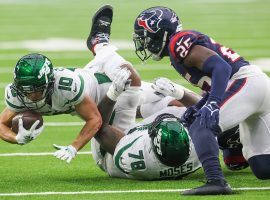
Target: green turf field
241	24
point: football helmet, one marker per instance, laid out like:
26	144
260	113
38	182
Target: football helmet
152	30
170	140
33	73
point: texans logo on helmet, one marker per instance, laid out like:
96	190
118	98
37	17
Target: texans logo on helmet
150	21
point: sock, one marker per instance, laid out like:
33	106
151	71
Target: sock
207	149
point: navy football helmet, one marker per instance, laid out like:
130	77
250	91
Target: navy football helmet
152	30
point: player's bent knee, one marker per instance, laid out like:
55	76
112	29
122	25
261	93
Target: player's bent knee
260	165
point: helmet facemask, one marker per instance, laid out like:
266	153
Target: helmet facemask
147	45
23	91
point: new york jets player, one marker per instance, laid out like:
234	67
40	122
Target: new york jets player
51	91
159	147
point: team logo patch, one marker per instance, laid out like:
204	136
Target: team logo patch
150	21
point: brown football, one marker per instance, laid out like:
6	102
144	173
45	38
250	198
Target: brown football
29	117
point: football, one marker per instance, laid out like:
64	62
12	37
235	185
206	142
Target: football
29	118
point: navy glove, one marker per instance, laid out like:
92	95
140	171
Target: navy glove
189	116
191	112
209	115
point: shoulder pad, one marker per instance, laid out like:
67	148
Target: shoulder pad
12	101
181	44
69	85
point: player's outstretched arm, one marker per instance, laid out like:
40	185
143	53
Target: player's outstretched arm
109	136
88	111
166	87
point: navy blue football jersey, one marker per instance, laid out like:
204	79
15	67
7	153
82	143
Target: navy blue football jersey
180	45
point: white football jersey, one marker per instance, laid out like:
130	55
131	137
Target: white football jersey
70	87
134	157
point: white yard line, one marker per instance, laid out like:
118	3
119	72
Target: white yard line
115	192
64	123
39	154
58	44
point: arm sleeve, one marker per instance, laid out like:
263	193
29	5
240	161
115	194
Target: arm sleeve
220	72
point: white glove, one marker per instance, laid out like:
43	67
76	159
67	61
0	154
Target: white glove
24	136
119	84
165	87
65	152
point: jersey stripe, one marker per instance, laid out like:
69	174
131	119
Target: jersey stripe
140	127
102	78
235	87
120	152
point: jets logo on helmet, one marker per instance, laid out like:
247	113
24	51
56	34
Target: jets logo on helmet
150	20
170	140
157	142
45	70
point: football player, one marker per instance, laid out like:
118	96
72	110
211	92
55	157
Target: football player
159	147
239	93
51	91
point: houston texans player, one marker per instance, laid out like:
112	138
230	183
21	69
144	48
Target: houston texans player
239	93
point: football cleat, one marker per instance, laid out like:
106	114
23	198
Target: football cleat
211	187
234	159
101	27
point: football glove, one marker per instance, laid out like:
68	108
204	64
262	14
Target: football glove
165	87
119	84
209	115
66	153
25	136
190	114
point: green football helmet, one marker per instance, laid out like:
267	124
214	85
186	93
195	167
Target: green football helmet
170	140
33	73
